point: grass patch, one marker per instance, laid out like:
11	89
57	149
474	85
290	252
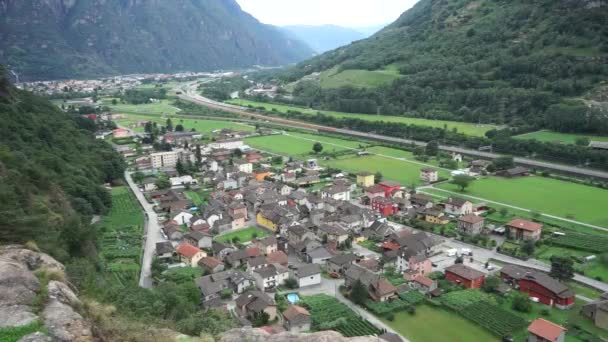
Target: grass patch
592	268
200	125
158	108
564	138
463	127
545	195
435	324
16	333
197	197
244	235
332	78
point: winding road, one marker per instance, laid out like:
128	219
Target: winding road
189	94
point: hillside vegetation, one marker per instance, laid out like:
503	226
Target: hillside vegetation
54	39
51	174
516	62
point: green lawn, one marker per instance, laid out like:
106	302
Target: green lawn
565	138
244	235
592	268
162	107
463	127
431	324
357	78
300	145
200	125
16	333
197	197
564	199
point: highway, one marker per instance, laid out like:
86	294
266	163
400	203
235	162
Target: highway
189	94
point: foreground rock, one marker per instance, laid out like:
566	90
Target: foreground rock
258	335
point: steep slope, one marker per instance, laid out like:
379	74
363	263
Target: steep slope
325	37
51	175
48	39
516	62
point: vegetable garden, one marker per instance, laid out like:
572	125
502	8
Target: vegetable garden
585	242
328	313
120	236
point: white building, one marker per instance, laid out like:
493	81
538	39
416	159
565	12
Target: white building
429	175
336	192
270	276
183	180
183	218
170	158
229	144
244	166
307	275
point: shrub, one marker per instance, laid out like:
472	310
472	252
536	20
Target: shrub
521	303
390	316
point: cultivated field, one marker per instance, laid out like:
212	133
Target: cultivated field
162	107
545	195
200	125
565	138
120	236
244	235
463	127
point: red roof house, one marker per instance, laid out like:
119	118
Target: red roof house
389	187
520	229
548	290
464	275
542	330
385	206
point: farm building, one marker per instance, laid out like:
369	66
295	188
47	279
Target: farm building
464	275
539	285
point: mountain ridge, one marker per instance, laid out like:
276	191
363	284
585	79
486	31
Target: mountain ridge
323	38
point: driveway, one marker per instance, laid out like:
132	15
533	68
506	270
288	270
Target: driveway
152	234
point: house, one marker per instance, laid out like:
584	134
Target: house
199	239
379	230
374	191
296	319
183	218
307	275
270	276
256	263
389	187
278	257
211	264
548	290
340	263
365	179
423	284
471	224
520	229
333	233
267	245
228	144
479	166
542	330
149	183
254	302
190	254
385	206
413	265
597	311
212	285
458	206
517	171
435	216
165	251
318	255
356	272
422	201
244	165
429	175
253	157
180	182
336	192
382	290
120	133
460	274
370	264
221	250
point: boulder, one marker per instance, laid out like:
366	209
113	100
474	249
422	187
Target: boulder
36	337
64	324
32	259
259	335
63	293
18	286
16	315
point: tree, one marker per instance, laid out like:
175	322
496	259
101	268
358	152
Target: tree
169	125
358	293
562	267
162	183
432	147
503	163
291	283
462	181
459	260
528	247
114	102
260	319
179	128
521	303
378	177
491	284
137	176
179	167
582	141
503	211
157	268
317	147
237	153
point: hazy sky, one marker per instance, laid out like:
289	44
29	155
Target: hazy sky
350	13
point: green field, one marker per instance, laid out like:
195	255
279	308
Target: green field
244	235
357	78
564	138
545	195
200	125
197	197
592	269
300	145
120	236
431	324
162	107
463	127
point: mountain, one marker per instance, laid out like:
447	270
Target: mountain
51	39
516	62
325	37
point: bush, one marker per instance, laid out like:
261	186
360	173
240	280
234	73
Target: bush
390	316
521	303
411	310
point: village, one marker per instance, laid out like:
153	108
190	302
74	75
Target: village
267	231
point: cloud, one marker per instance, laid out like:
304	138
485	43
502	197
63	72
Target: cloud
349	13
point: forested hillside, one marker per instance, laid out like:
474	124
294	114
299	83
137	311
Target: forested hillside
52	172
517	62
52	39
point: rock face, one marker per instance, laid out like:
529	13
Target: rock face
19	289
258	335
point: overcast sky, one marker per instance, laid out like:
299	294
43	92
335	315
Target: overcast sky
349	13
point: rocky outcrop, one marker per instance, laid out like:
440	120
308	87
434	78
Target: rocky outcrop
22	295
258	335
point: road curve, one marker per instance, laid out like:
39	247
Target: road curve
191	96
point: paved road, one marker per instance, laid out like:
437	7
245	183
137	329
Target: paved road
190	94
330	287
152	234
